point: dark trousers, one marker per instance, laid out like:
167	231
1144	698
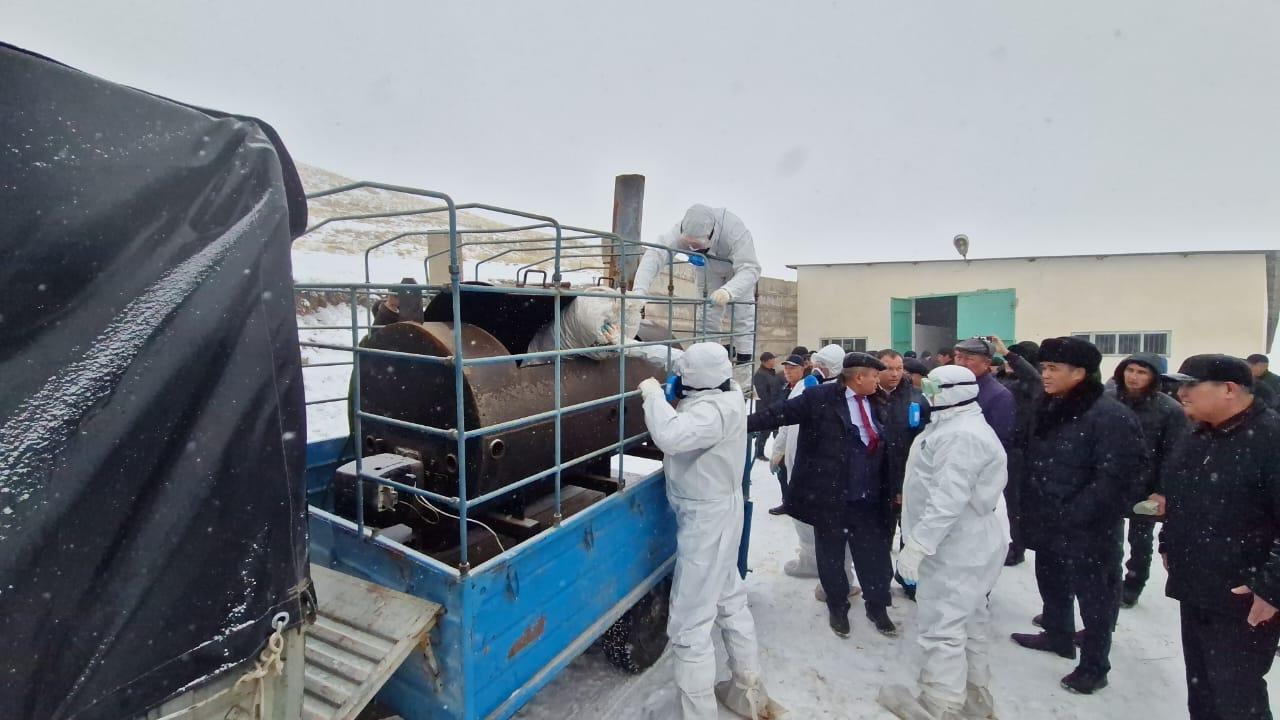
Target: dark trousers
782	480
1141	545
863	532
761	439
1095	582
1226	663
1013	503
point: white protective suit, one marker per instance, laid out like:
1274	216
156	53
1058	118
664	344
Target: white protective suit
704	441
738	273
828	361
953	511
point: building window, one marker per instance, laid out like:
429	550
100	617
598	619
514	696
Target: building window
849	344
1128	343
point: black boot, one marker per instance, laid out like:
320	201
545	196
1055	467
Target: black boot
1084	682
1044	642
780	510
1016	556
1129	597
879	617
839	621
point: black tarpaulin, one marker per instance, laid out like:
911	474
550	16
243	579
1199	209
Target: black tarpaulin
152	428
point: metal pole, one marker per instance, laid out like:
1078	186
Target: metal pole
628	209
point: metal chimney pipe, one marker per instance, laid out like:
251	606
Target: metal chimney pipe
628	209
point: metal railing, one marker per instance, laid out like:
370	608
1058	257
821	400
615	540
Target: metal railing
459	433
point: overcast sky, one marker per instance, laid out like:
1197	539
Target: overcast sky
837	130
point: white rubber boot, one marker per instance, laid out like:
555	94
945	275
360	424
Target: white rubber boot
978	704
747	697
902	702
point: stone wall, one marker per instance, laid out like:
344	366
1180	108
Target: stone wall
776	310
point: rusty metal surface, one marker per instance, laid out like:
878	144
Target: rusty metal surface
361	635
423	393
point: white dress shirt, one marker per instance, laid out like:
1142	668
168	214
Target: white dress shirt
856	415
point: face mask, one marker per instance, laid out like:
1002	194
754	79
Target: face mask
930	388
676	389
695	244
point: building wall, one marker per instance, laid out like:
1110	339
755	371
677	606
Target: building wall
1210	303
775	309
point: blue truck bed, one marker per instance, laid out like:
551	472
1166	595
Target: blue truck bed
512	623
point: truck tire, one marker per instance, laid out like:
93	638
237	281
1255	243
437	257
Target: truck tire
638	639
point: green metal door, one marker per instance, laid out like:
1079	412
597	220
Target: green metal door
990	312
901	323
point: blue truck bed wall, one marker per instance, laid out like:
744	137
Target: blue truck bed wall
513	622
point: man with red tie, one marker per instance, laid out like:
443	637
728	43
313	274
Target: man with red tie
839	484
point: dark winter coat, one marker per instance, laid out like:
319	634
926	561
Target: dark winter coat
828	445
897	415
1223	526
1267	387
1028	390
1162	419
1083	454
998	407
770	387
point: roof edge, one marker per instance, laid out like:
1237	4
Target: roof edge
1033	258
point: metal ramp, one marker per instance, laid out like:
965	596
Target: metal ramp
361	635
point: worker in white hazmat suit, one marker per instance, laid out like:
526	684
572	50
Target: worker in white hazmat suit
704	440
732	278
956	534
827	365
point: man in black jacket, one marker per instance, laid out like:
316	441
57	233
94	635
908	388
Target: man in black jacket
1221	539
839	486
1266	384
1082	455
1137	385
899	395
768	386
1028	390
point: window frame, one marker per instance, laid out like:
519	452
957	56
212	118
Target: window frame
841	341
1143	335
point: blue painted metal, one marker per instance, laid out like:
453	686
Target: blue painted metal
512	623
744	545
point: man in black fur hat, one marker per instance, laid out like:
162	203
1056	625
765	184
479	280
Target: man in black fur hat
1083	452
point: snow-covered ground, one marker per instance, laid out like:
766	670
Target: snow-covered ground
818	675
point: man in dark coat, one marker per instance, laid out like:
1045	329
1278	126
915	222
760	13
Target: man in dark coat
1022	360
1221	539
899	395
1082	455
998	406
839	485
768	385
1266	384
1163	422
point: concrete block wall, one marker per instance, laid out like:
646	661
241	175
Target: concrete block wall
776	309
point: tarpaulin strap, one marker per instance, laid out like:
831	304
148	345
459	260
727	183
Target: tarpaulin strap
270	662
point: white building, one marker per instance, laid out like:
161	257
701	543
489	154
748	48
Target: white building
1172	304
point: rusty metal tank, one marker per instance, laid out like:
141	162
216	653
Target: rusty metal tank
494	325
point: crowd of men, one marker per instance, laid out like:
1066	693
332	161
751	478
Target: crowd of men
1076	459
969	457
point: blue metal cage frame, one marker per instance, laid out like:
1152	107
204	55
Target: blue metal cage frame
514	621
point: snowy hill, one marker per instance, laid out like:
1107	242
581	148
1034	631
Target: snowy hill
335	251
